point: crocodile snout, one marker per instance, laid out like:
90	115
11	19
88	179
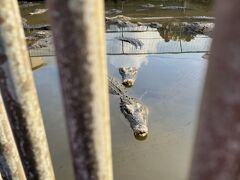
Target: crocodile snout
128	83
140	131
128	75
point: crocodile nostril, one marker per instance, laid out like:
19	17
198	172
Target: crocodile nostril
128	83
141	133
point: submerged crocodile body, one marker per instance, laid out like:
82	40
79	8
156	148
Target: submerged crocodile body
133	110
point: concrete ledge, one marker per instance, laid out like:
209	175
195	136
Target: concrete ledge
36	62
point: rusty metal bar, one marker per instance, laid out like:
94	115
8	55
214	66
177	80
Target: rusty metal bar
217	148
19	95
10	163
78	30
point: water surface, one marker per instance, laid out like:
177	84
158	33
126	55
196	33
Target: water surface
169	85
169	82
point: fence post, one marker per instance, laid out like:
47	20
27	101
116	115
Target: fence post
19	95
78	30
217	148
11	163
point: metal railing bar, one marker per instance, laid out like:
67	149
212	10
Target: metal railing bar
20	97
217	148
80	51
8	149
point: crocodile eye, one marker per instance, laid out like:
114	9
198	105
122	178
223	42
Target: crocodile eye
128	109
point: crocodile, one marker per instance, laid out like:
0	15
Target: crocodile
148	5
128	75
133	110
38	11
135	42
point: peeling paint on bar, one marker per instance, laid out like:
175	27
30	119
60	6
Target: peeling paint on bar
217	148
78	29
8	149
20	97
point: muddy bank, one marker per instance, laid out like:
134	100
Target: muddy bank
40	39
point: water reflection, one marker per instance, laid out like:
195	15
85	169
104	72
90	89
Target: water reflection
184	31
169	31
153	43
127	61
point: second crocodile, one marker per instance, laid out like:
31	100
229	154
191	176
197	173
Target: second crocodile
128	75
133	110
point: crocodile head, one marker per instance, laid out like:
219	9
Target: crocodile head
128	75
137	115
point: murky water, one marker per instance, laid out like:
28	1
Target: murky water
138	8
169	85
47	83
169	82
34	19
